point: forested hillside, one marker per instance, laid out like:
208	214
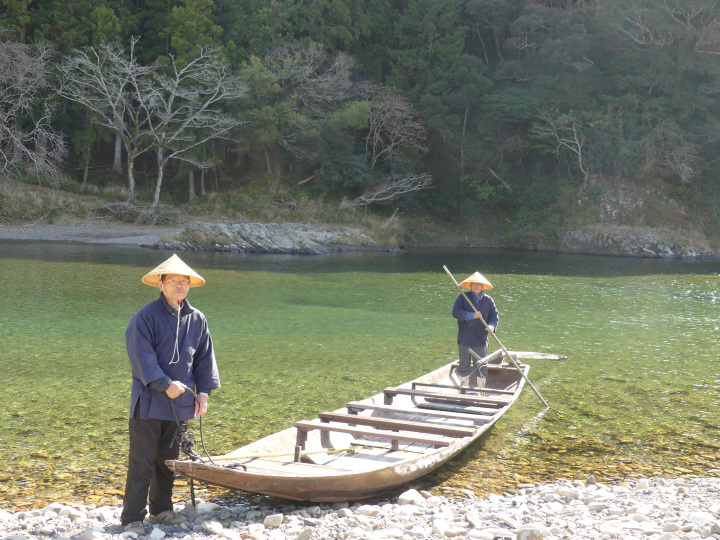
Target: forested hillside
533	115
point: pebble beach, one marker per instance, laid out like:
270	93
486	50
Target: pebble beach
653	509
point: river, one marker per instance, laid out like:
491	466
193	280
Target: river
637	396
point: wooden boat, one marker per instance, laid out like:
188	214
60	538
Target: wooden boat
373	445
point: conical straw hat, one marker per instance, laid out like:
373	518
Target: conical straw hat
174	265
477	277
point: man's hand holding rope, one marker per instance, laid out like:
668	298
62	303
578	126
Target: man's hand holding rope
201	405
176	388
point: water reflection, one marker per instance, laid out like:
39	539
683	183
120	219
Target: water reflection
298	334
493	261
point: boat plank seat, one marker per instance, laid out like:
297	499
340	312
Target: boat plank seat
390	393
303	427
461	409
478	388
354	407
505	366
395	424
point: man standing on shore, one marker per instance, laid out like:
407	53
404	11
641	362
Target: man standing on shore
171	355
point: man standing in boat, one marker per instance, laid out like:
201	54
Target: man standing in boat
472	332
171	355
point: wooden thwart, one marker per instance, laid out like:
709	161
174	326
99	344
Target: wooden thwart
460	408
390	393
354	407
304	427
395	424
477	388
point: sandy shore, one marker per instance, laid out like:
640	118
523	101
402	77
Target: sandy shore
89	231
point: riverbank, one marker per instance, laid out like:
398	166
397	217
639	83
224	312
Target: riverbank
89	231
273	221
654	509
271	238
304	239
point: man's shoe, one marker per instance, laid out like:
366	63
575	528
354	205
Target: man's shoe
169	517
134	527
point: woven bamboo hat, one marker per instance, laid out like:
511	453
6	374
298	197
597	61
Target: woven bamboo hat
174	265
477	277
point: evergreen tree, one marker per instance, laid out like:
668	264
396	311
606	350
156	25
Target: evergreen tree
64	23
429	40
254	27
16	17
190	27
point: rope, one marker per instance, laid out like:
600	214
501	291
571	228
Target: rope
184	442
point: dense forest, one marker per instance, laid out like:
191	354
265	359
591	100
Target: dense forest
528	110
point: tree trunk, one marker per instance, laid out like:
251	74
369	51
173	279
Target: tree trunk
158	183
462	160
498	47
40	151
203	193
17	148
131	179
191	186
87	163
482	42
117	162
267	161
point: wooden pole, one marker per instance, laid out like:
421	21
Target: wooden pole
507	354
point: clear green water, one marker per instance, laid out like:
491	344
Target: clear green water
295	335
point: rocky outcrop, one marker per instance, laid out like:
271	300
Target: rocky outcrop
636	241
279	238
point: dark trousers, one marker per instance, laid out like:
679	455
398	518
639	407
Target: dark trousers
467	362
150	446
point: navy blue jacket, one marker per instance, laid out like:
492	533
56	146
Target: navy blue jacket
471	332
150	339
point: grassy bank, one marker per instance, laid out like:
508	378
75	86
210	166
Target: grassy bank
533	226
23	203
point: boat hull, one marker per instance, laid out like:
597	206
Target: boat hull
420	425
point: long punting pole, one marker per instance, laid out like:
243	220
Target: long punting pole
507	354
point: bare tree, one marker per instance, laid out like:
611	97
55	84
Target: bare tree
318	83
565	133
642	23
172	111
393	187
668	152
394	125
308	72
102	79
183	109
27	139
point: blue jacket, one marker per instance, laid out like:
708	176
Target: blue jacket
150	339
471	332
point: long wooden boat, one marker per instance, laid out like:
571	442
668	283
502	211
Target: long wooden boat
373	445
